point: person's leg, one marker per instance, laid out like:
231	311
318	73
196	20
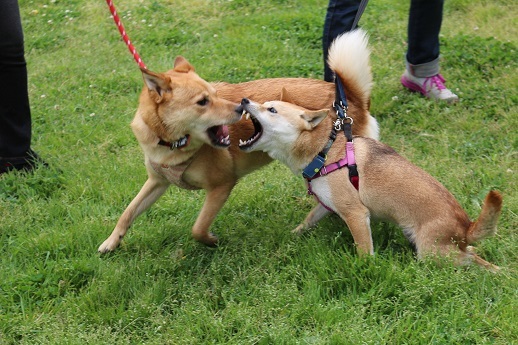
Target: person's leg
339	19
424	25
15	114
422	57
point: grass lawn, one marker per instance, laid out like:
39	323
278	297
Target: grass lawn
262	285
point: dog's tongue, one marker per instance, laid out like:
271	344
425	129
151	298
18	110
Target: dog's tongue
222	131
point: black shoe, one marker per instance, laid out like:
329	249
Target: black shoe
25	163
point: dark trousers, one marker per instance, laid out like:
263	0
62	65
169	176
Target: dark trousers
424	25
15	114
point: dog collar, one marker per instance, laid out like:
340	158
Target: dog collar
180	143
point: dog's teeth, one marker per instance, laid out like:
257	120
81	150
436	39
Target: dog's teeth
225	140
247	116
241	142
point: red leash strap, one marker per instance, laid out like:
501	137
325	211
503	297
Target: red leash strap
125	37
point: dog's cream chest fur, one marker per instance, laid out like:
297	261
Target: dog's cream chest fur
322	190
174	173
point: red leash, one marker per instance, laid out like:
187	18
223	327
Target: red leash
125	37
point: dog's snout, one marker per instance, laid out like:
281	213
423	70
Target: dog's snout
241	107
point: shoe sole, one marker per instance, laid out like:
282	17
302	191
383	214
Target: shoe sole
413	86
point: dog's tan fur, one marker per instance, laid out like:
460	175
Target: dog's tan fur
179	102
390	186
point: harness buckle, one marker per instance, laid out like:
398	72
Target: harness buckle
314	167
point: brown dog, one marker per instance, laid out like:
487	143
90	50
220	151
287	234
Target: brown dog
184	126
390	187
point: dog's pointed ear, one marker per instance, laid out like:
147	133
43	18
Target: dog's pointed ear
157	84
182	65
286	97
313	118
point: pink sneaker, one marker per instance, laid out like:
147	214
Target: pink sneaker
430	87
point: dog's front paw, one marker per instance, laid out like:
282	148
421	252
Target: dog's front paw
208	239
299	230
109	245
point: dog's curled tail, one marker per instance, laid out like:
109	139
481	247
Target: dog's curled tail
349	59
485	225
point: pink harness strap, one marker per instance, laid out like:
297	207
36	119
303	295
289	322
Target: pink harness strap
351	161
348	160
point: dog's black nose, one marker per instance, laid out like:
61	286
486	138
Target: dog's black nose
245	101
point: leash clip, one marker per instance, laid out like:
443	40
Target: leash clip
341	121
338	124
341	110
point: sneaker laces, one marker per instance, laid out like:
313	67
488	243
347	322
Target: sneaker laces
436	80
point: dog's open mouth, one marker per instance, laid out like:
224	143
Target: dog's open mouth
258	131
219	136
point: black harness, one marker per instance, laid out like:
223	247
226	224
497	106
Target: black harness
317	167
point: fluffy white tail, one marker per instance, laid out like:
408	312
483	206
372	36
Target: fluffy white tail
349	59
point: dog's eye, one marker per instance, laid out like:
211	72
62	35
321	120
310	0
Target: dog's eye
203	102
272	110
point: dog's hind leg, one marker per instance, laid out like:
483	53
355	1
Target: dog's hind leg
483	263
459	257
314	216
150	192
214	201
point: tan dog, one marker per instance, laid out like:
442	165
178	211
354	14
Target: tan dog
390	187
182	126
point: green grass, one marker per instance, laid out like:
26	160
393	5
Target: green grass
262	285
